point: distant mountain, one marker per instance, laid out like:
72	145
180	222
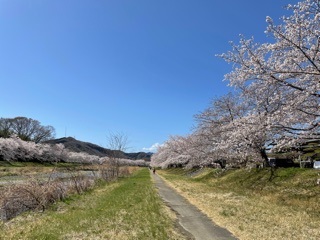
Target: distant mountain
93	149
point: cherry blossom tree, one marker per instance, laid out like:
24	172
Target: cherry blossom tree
277	99
222	127
290	66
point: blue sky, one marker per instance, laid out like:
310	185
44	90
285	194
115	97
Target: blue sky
139	67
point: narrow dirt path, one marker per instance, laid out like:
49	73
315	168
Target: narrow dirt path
190	218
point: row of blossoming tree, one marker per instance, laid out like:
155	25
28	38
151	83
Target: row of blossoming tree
274	101
15	149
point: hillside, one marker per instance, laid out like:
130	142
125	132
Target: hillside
93	149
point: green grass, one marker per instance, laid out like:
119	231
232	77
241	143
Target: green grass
127	209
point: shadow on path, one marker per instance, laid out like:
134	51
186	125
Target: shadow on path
190	218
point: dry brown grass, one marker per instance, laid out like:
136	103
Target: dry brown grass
24	171
35	192
248	216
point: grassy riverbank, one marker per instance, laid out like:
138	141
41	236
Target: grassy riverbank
127	209
255	204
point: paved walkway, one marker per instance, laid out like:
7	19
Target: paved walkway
197	225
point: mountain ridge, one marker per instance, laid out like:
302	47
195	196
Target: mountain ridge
75	145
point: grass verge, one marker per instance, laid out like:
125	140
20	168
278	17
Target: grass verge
127	209
256	204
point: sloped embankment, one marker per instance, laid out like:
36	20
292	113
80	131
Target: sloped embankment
257	203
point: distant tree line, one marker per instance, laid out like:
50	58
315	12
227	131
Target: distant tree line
15	149
26	129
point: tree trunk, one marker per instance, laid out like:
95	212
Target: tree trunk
264	156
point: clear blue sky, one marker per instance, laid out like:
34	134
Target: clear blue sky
140	67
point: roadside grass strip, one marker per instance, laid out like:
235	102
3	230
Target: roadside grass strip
129	208
252	205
